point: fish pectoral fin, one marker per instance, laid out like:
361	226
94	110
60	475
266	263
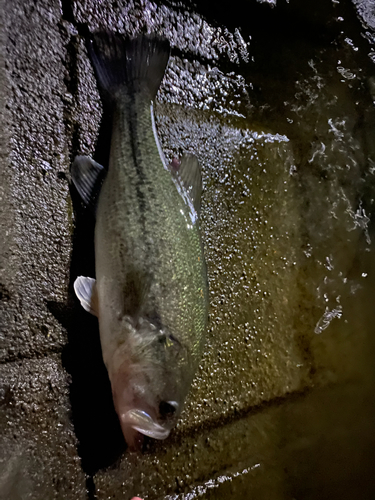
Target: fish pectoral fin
87	177
190	174
85	289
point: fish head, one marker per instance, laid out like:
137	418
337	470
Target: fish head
148	378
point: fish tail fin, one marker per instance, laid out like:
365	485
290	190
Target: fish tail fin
136	64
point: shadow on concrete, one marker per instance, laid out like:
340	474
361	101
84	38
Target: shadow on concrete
95	422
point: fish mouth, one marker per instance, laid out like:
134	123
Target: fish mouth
141	421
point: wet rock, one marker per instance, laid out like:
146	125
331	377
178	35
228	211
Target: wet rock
38	454
35	217
38	449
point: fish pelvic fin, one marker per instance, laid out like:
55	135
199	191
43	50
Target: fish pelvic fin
85	289
135	64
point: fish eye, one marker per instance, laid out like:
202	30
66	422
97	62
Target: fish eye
167	409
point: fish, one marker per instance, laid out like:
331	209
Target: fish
150	292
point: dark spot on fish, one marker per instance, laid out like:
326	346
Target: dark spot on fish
134	290
137	164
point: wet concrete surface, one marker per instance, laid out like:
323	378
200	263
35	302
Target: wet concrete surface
275	103
38	445
36	204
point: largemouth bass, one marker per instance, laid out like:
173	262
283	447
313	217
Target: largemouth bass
151	292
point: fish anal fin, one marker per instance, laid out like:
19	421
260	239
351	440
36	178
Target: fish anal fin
85	289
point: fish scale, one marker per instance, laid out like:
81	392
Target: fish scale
155	235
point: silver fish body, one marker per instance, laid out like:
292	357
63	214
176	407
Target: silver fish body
151	290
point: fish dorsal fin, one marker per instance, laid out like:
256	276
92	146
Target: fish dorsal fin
85	289
87	177
190	176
